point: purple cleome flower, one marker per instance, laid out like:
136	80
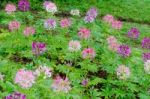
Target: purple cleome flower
50	24
84	82
146	56
38	48
124	50
91	15
133	33
16	95
146	43
23	5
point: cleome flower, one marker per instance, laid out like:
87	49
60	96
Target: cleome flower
14	25
75	12
50	24
38	48
146	56
113	43
74	46
64	23
10	8
50	7
29	31
116	24
25	78
108	19
133	33
16	95
88	53
146	43
84	33
123	72
124	50
84	82
45	70
91	15
23	5
60	84
147	66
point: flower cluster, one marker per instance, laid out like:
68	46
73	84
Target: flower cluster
88	53
23	5
146	56
91	15
147	66
133	33
38	48
10	8
50	24
108	18
124	50
75	12
16	95
74	46
61	84
123	72
50	7
25	78
112	43
146	43
84	33
14	25
43	69
65	23
84	82
29	31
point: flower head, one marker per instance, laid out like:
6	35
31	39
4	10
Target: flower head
88	53
50	7
38	48
84	33
10	8
23	5
75	12
91	15
133	33
116	24
123	72
84	82
29	31
108	19
124	50
74	46
43	69
16	95
61	84
146	43
146	56
50	24
113	43
111	39
14	25
65	23
25	78
147	66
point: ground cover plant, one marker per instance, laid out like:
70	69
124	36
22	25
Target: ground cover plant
65	50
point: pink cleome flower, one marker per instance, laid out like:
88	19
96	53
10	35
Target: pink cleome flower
10	8
25	78
123	72
111	39
13	25
38	48
113	43
108	18
29	31
88	53
61	84
84	33
74	45
116	24
65	23
50	7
